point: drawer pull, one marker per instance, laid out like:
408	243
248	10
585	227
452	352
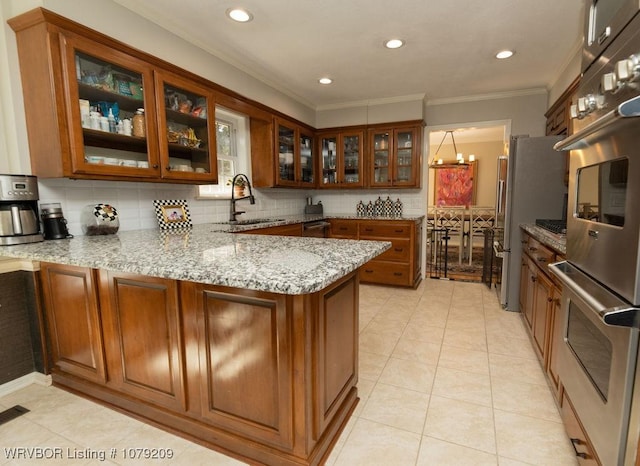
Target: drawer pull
368	271
398	249
398	274
400	230
542	259
577	441
531	248
368	229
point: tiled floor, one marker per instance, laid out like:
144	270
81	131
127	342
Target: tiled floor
446	378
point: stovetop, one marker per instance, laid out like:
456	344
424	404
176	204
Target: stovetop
558	227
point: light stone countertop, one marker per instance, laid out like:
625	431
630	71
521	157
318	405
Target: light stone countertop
287	265
552	240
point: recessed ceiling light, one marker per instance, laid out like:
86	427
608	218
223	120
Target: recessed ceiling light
240	15
394	43
504	54
325	80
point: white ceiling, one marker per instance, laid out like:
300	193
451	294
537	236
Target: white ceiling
449	51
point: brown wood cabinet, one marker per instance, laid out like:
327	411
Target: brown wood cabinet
399	265
341	158
281	230
539	301
66	68
394	155
269	377
580	441
556	329
559	121
73	323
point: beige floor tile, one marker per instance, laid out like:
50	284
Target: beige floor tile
196	455
378	343
437	452
371	365
524	398
532	440
516	369
464	386
427	333
429	318
417	350
502	461
469	339
397	407
146	436
510	346
374	444
464	359
386	326
21	432
414	375
462	423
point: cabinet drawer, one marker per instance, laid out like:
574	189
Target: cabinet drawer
384	230
540	254
581	444
400	251
386	273
344	229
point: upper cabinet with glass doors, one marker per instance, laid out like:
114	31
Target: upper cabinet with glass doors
341	159
295	155
186	125
98	109
395	156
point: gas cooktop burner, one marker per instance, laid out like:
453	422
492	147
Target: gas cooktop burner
555	226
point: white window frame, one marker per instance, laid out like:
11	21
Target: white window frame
240	158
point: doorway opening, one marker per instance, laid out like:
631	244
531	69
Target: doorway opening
461	197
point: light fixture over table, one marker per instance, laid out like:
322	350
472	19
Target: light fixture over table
439	163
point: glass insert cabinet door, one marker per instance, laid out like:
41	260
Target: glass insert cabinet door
329	159
352	159
307	159
286	154
404	162
382	153
187	128
106	89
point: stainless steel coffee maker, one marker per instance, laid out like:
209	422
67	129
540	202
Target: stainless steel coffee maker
18	210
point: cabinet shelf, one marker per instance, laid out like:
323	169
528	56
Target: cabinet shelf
94	94
186	119
97	138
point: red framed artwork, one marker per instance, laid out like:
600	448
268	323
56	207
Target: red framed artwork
454	186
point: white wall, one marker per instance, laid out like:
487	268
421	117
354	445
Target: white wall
371	112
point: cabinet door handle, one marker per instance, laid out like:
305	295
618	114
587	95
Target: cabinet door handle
533	279
549	299
155	166
531	248
577	441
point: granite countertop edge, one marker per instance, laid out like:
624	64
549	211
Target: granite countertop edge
556	242
279	264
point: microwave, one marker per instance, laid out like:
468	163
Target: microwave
604	20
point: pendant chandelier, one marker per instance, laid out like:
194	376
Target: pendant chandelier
439	163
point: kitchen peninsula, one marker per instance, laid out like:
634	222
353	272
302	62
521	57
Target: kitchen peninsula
245	343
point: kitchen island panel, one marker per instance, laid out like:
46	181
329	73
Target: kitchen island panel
244	341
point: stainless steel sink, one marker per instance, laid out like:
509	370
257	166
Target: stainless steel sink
253	221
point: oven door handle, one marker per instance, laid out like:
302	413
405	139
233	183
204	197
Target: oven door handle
615	312
628	109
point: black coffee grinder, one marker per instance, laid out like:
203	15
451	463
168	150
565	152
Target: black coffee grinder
54	225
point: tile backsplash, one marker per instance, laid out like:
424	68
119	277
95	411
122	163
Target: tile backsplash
134	201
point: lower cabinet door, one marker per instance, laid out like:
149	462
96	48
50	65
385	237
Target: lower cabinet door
580	442
142	330
73	322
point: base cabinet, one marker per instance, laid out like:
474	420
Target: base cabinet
74	327
579	440
399	265
266	377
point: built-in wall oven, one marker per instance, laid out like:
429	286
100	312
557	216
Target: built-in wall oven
600	310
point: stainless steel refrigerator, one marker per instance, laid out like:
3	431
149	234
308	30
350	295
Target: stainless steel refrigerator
530	186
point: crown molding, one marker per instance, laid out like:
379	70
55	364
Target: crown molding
492	96
370	102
